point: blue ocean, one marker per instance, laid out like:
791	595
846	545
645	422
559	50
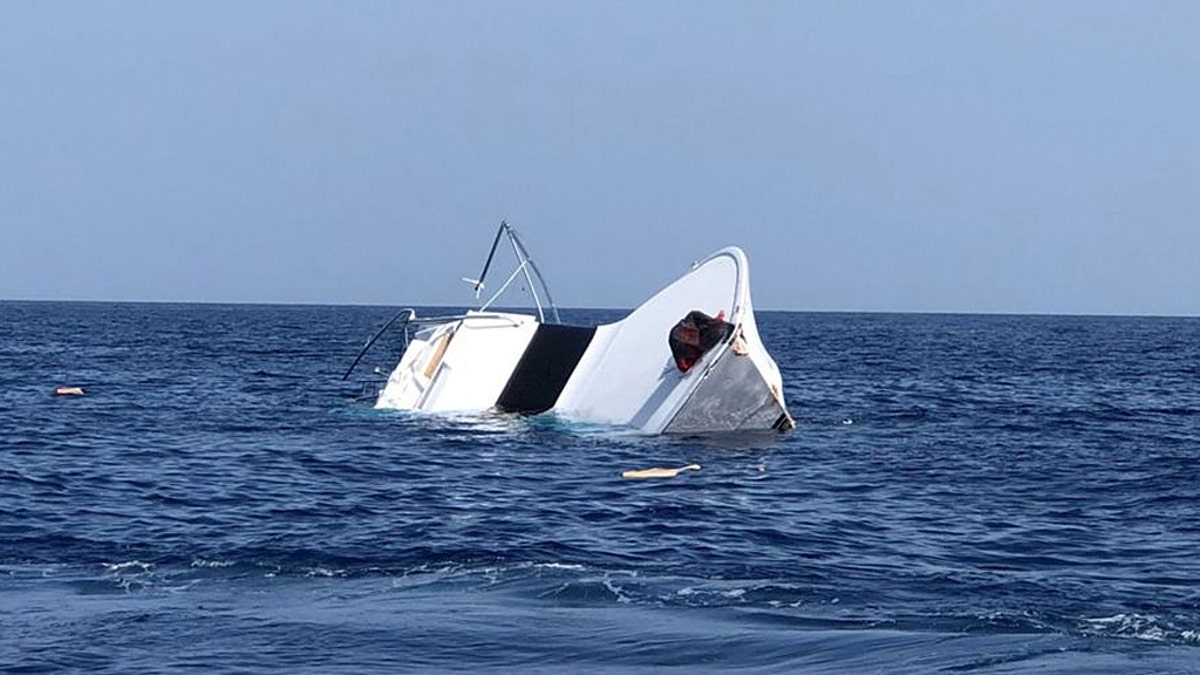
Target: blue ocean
962	494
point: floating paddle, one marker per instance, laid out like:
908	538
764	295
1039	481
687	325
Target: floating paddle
658	472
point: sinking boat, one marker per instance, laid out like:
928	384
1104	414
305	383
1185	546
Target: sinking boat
687	361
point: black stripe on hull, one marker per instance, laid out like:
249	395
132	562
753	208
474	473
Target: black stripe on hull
544	368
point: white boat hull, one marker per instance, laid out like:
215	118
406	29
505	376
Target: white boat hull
621	373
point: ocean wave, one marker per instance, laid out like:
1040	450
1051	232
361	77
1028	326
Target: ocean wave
1139	627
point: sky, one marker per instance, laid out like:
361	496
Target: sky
1022	157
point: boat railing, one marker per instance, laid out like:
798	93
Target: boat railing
496	316
407	318
408	314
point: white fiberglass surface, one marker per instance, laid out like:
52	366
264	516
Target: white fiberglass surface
471	371
627	376
408	381
478	362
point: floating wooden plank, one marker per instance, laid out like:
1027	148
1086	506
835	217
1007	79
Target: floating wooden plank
658	472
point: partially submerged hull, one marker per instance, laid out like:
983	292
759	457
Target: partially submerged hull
623	373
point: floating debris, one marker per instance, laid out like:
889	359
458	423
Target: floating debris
658	472
69	391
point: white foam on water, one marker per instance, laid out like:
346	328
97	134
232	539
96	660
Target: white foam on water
323	572
558	566
201	562
1137	627
132	565
618	592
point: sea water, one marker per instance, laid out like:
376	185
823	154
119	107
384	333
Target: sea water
980	494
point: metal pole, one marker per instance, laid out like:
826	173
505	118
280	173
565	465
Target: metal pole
495	242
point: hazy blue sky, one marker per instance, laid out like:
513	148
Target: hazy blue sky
909	156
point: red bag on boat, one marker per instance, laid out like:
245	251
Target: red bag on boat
694	335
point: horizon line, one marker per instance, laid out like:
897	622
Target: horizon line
268	303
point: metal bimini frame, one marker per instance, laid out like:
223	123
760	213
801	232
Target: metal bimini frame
525	266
